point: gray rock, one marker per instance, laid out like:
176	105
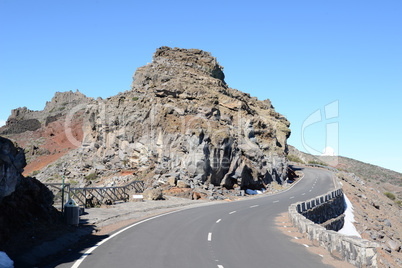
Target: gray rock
153	194
182	184
387	223
172	181
393	245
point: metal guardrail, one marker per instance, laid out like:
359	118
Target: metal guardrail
321	166
100	194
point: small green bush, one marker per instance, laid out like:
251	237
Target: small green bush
295	158
315	162
135	98
91	176
398	202
389	195
35	172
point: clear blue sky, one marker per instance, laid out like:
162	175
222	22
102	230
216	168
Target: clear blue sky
303	55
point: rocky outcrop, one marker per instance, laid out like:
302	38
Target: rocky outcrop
48	134
24	202
180	125
181	120
23	119
12	162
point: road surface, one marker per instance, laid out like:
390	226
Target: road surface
223	235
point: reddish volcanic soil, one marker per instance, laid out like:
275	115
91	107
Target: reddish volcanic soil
54	138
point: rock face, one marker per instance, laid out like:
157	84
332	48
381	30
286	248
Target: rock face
181	120
12	162
46	135
24	202
23	119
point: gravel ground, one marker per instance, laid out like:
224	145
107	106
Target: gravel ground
109	215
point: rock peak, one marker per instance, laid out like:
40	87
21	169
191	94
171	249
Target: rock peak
193	58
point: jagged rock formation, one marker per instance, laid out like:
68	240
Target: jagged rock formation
24	202
12	162
23	119
180	120
180	124
45	135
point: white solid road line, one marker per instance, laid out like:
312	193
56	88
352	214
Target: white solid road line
254	206
78	262
306	245
232	212
220	266
218	221
209	237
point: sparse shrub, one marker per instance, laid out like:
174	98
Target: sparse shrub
399	203
295	158
389	195
135	98
35	172
91	176
315	162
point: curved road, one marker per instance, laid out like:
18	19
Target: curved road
223	235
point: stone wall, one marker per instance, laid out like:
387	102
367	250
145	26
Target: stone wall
326	209
357	251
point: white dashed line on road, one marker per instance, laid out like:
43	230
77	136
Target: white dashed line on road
291	197
220	266
218	221
303	193
254	206
307	246
309	190
276	201
209	237
232	212
296	237
322	256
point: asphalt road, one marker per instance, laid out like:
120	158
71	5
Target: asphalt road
223	235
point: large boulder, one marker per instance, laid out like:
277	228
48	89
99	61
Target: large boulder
153	194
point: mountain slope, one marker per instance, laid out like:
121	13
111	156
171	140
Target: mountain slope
385	179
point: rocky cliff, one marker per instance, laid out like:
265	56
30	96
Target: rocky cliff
184	126
43	133
25	203
12	162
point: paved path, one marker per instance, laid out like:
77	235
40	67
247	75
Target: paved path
236	234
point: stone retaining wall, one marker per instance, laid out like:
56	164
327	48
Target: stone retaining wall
357	251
